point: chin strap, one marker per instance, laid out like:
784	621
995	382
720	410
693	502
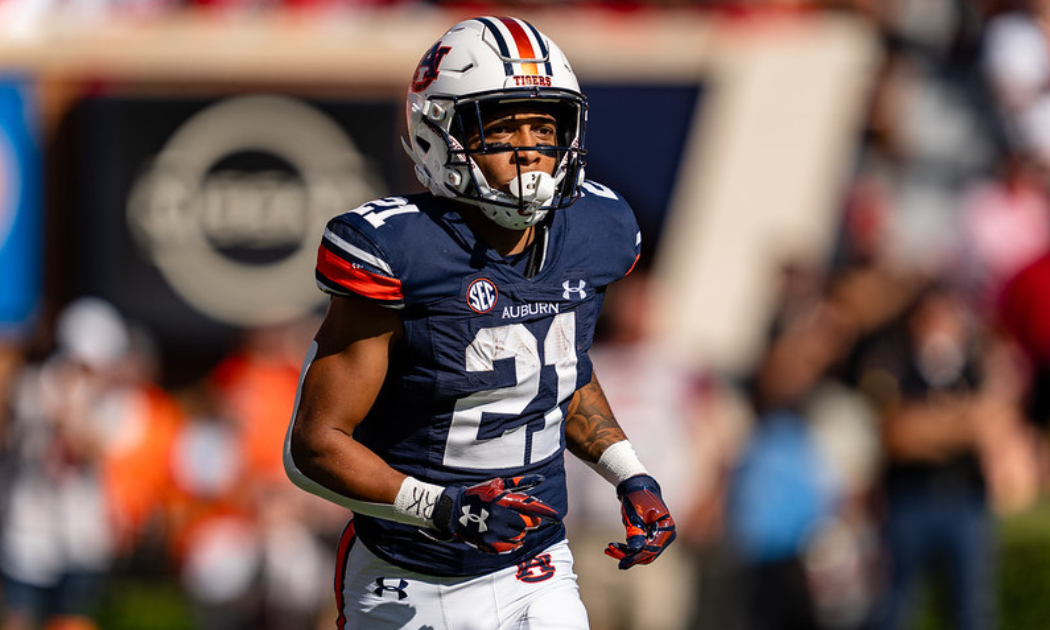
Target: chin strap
538	247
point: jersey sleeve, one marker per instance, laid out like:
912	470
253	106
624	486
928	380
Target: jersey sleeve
348	263
614	240
634	238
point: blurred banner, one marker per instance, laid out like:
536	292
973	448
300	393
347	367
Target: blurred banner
199	217
20	207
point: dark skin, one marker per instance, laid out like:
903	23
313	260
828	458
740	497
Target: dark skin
357	337
354	344
590	426
517	126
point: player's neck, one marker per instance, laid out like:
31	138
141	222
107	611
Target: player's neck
504	241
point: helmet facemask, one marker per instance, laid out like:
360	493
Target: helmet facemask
531	194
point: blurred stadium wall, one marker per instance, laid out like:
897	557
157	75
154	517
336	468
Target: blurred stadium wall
189	161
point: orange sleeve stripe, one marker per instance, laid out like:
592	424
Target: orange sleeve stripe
632	265
357	280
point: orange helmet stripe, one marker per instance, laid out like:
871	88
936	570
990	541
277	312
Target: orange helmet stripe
524	44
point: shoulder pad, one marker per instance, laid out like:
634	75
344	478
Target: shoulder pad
609	224
352	258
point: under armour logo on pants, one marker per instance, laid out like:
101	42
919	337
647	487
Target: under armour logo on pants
382	586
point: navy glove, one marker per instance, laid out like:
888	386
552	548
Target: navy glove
650	528
493	516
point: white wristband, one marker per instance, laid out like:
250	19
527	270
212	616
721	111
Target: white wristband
619	462
415	501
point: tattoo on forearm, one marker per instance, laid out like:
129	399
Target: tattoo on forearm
590	426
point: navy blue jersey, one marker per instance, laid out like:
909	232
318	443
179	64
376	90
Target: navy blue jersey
479	385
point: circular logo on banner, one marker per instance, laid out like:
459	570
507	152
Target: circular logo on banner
232	209
10	186
481	295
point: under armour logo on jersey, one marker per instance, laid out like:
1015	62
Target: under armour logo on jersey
383	587
478	519
570	290
481	295
536	569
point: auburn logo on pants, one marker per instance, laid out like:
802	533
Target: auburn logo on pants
536	569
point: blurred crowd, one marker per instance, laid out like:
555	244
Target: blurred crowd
899	409
922	15
108	478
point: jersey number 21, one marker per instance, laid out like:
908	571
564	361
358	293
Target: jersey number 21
464	448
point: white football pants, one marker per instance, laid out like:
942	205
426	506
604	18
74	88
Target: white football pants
539	594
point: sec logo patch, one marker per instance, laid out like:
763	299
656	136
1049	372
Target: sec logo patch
481	295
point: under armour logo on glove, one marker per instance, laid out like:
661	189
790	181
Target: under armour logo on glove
650	528
493	516
476	519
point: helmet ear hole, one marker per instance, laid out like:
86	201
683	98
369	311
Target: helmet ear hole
423	144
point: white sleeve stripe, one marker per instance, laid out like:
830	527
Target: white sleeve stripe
359	253
335	289
331	287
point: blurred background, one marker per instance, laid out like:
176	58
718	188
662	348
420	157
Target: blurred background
834	354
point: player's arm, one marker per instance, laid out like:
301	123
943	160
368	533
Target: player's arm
593	435
590	427
339	385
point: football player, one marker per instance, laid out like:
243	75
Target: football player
451	370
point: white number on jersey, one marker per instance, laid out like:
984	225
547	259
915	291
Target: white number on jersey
377	212
598	189
463	448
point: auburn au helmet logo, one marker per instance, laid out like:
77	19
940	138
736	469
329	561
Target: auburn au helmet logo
427	70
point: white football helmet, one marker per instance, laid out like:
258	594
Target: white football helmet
478	64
